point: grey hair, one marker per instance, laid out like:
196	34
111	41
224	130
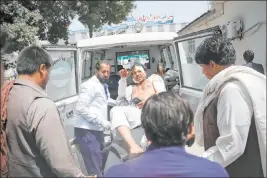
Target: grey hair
31	58
139	64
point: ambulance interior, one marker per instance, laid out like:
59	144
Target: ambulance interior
124	56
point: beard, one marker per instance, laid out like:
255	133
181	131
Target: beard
102	80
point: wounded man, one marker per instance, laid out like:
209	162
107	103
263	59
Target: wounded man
125	118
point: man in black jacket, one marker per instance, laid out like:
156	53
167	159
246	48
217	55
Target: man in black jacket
248	57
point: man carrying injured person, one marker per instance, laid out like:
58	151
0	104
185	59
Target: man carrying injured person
125	118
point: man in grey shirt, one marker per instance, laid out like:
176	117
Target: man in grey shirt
37	143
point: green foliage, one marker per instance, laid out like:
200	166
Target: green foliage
17	25
56	18
21	21
95	14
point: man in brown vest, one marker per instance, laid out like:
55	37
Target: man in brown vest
231	118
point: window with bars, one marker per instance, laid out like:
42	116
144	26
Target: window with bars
166	57
87	65
191	47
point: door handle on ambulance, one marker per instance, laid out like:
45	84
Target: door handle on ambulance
62	105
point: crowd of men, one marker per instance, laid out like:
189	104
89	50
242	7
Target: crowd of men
230	121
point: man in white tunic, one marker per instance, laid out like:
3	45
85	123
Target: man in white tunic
125	118
231	118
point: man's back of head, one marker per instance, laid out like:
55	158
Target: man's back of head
248	56
167	119
34	64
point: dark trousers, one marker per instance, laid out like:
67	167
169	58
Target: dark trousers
91	146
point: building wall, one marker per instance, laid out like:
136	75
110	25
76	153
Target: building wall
78	35
174	27
83	34
250	12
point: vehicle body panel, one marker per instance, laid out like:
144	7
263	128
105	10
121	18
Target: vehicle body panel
169	50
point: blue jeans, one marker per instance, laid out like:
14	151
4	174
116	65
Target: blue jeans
91	146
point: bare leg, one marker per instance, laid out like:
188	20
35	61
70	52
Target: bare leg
126	134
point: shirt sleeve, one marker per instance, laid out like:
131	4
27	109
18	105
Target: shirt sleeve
122	87
123	90
83	108
233	119
51	139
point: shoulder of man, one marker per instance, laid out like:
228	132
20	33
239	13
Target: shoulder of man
43	104
151	78
89	83
230	86
38	110
120	170
211	168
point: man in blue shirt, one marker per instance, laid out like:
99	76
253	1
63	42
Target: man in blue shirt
167	121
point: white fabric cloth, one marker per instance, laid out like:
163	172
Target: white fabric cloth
128	115
247	97
92	105
125	115
234	113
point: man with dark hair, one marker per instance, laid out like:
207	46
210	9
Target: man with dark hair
167	121
248	57
231	118
36	140
92	118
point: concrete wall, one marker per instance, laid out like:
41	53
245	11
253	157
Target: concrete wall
250	12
